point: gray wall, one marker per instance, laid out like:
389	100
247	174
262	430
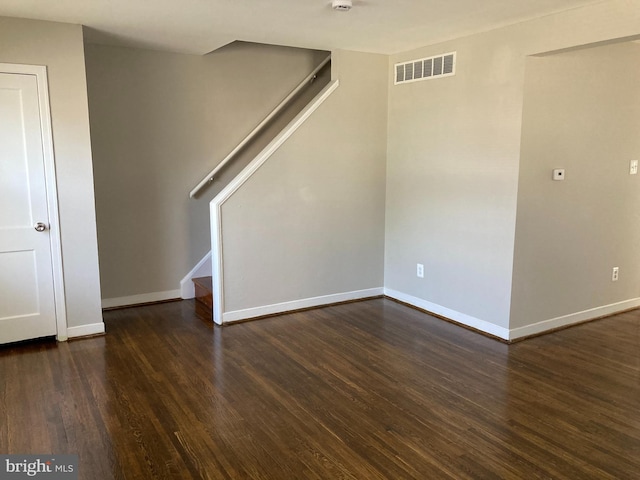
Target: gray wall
310	221
581	113
453	160
452	178
60	48
159	123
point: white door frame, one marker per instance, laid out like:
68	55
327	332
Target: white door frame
40	73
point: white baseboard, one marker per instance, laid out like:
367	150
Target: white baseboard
143	298
237	315
464	319
85	330
202	269
573	318
514	333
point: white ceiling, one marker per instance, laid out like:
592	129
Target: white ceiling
200	26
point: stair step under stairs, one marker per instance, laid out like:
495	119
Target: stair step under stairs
204	293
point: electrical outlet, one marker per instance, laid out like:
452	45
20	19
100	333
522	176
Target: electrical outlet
420	270
633	167
614	274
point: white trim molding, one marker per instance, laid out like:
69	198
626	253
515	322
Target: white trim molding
86	330
217	271
217	267
142	298
458	317
573	318
40	72
202	269
514	333
238	315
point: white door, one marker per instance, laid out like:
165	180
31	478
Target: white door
27	305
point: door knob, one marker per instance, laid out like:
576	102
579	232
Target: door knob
40	227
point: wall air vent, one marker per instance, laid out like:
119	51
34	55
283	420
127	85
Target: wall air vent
425	68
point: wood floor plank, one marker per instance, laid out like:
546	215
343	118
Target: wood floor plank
366	390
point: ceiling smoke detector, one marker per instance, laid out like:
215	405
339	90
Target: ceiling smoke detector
342	5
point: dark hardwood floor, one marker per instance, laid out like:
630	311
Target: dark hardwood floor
369	390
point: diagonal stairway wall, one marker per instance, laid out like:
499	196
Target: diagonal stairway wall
307	228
